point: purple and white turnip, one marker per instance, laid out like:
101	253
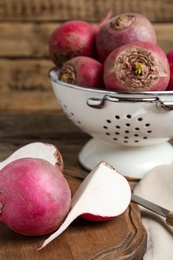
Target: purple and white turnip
46	151
74	38
34	196
137	66
83	71
170	60
123	29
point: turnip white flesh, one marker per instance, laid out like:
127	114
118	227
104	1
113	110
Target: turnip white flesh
83	71
37	150
103	194
137	66
34	196
123	29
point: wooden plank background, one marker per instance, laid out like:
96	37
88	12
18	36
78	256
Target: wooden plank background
25	27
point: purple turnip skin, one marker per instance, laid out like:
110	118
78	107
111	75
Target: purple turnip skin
71	39
83	71
137	66
123	29
169	56
34	196
74	38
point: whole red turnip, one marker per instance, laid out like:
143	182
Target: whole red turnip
83	71
170	60
123	29
34	196
137	66
73	38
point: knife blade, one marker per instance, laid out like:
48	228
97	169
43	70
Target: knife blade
168	215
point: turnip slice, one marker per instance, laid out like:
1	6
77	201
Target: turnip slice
104	192
37	150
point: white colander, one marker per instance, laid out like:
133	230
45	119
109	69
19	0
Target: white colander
131	131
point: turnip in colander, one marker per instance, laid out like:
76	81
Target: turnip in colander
123	29
82	71
169	56
137	66
129	130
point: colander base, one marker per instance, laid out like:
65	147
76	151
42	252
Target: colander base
132	162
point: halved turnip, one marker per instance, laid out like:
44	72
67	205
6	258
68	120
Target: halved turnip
104	194
37	150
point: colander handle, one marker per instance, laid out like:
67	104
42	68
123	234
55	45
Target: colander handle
164	105
100	102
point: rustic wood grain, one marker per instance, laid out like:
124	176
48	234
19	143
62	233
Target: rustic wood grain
25	87
30	40
91	10
121	238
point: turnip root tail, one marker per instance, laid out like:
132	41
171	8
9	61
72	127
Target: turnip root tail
108	16
69	219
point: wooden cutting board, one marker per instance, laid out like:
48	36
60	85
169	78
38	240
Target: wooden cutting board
123	237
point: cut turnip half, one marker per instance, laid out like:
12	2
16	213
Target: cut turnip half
103	194
37	150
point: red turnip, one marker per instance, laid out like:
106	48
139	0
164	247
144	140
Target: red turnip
170	60
73	38
37	150
123	29
102	195
83	71
137	66
34	196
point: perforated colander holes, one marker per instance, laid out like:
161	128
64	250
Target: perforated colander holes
71	115
124	128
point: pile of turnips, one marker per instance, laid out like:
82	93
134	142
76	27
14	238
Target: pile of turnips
121	53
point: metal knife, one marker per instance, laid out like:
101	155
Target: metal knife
155	208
